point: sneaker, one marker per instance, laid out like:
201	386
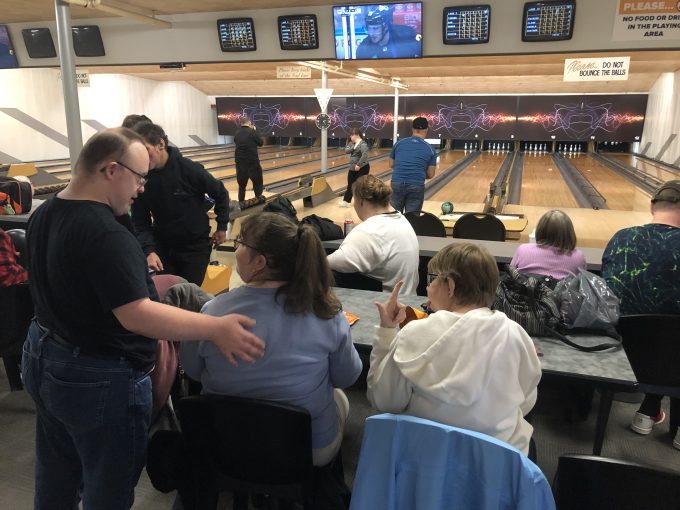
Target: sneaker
342	203
676	441
643	424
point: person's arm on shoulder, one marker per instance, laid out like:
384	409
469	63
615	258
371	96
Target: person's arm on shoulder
344	364
228	333
359	252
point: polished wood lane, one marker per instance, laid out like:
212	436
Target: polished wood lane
472	184
297	170
645	166
269	164
543	184
619	192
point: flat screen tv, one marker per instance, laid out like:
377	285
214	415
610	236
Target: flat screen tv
467	24
381	31
87	41
298	32
236	34
548	21
39	43
8	59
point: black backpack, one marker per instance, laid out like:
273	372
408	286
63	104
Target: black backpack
283	206
325	227
15	196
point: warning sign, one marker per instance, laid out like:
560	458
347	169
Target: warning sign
647	21
596	69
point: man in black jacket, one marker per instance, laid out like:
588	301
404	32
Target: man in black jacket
170	217
248	166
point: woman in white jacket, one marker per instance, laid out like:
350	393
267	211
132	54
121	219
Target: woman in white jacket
465	365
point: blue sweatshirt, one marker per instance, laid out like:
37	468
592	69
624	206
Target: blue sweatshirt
305	358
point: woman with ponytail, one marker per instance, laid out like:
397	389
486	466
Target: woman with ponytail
309	348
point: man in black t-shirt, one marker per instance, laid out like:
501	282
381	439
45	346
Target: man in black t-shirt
247	140
91	346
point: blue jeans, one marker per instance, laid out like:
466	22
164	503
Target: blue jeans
407	197
91	425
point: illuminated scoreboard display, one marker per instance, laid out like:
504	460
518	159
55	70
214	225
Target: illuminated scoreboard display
236	34
298	32
548	21
466	25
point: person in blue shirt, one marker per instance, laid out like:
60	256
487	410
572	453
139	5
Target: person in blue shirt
309	346
412	161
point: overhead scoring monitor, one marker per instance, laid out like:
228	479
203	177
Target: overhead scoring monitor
298	32
548	21
236	34
468	24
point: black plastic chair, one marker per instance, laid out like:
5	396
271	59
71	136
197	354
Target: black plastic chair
18	236
585	482
426	224
651	344
247	446
484	227
357	281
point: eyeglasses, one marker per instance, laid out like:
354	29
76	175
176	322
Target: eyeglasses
141	178
431	277
239	240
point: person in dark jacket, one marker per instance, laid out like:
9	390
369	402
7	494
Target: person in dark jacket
247	140
170	217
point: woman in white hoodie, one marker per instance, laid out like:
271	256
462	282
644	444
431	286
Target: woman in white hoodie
465	365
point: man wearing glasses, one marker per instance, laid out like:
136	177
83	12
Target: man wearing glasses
91	345
170	218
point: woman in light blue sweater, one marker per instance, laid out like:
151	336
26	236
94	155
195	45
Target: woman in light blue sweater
309	347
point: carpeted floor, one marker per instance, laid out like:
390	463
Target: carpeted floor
554	419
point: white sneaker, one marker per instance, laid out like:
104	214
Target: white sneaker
342	203
676	441
643	424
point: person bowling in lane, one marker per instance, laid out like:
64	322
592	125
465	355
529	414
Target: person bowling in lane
248	167
170	217
358	163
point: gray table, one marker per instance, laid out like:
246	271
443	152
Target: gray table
607	371
502	251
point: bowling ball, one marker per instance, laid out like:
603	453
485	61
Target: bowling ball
447	208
